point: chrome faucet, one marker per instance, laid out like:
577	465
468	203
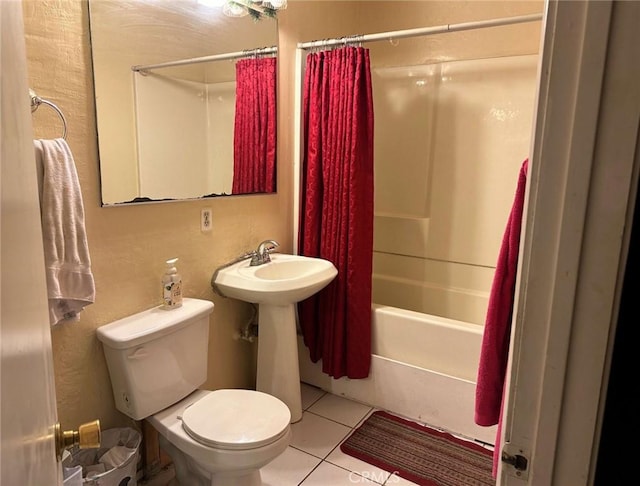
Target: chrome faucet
261	255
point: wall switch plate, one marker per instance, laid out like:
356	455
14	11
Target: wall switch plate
205	219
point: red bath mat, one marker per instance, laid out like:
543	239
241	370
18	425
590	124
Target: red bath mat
420	454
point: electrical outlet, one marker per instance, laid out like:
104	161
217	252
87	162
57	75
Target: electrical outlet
205	219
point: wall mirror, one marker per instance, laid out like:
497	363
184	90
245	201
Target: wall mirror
167	133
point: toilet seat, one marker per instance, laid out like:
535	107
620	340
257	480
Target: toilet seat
236	419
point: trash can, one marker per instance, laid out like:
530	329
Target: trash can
72	476
114	463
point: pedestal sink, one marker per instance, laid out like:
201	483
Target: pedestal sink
276	287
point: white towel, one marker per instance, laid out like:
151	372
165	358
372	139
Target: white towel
70	284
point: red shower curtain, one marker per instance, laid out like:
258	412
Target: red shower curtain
254	143
336	214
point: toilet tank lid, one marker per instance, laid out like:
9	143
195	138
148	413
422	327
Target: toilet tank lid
153	323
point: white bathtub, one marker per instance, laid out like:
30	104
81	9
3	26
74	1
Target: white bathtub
423	367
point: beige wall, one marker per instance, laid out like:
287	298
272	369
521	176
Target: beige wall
129	244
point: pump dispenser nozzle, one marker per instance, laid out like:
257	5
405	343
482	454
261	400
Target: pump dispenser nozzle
171	286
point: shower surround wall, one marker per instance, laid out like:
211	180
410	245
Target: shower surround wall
450	139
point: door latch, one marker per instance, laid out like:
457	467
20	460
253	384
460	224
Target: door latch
86	437
517	459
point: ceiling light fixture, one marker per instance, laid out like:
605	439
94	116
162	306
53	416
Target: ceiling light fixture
257	9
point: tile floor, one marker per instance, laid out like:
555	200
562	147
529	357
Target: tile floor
314	457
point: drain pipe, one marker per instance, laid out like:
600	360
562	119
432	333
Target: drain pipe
250	330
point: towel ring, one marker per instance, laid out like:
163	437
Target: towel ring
36	101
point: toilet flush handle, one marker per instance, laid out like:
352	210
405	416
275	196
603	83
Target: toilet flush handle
139	353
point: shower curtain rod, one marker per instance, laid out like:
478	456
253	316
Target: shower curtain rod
439	29
216	57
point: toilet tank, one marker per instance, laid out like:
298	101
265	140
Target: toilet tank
157	357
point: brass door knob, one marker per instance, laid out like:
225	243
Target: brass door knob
86	437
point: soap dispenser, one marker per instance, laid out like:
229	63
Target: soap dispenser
171	286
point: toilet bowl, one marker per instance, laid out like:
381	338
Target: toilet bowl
156	362
246	431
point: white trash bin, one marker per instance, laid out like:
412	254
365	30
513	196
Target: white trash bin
72	476
115	463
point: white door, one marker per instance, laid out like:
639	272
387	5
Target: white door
27	393
580	196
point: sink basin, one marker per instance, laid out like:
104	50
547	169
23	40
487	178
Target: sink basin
287	279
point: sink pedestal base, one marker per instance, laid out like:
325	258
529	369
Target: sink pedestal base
278	371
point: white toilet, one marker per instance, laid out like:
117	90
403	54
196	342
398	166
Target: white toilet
157	359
